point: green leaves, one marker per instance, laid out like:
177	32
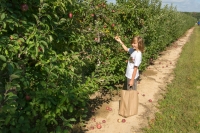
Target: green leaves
3	15
13	76
3	58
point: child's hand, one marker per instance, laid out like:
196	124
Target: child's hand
131	83
117	38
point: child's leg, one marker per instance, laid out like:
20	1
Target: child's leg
135	84
126	82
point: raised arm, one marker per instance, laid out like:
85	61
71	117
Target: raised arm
117	38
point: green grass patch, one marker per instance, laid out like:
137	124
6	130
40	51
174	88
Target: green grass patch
180	107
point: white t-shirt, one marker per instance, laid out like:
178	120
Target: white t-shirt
134	60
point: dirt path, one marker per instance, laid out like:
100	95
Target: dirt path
153	83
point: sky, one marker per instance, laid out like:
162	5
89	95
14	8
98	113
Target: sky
181	5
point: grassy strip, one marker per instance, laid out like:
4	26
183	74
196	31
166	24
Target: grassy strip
180	108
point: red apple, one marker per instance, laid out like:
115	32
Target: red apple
110	109
28	98
150	100
24	7
70	15
99	126
123	120
92	127
143	95
103	121
39	49
113	25
107	108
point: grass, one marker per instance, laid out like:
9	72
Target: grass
180	107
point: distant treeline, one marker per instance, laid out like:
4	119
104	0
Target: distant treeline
194	14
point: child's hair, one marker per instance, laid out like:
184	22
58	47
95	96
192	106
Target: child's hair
140	42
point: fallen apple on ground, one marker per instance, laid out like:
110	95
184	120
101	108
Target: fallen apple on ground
99	126
150	100
118	120
143	95
92	127
103	121
123	120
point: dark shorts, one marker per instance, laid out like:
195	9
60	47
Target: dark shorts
126	84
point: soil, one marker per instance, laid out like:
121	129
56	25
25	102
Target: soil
152	85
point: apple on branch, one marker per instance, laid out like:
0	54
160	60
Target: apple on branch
24	7
70	15
28	98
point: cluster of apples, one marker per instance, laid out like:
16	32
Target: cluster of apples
108	108
150	100
98	124
121	120
166	65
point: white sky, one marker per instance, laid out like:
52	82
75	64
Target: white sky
181	5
